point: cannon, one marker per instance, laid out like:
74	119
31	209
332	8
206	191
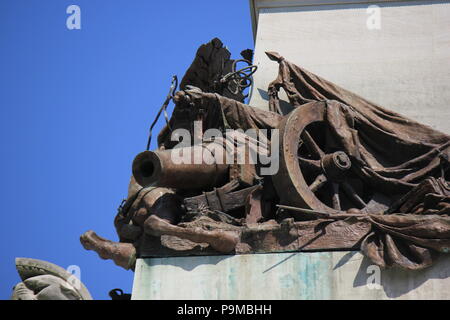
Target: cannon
314	173
201	168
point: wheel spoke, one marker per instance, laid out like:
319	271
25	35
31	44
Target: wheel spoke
335	197
318	183
309	164
312	145
353	195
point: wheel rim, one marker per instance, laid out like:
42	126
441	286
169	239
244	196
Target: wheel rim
314	173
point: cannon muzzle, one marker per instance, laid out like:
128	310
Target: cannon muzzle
163	168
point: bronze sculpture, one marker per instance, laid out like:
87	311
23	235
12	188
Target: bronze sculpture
352	175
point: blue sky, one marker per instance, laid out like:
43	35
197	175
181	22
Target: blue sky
75	107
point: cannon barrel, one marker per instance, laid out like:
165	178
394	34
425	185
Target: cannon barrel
162	168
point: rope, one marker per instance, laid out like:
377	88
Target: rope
173	88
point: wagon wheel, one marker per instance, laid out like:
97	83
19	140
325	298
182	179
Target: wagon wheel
314	172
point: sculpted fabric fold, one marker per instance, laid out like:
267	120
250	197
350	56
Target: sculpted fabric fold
393	152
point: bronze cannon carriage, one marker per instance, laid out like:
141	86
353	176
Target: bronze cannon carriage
314	173
351	175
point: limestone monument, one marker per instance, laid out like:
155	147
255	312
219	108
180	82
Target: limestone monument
323	186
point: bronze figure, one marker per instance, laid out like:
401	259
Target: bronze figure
352	175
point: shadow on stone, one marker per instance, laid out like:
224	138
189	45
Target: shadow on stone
396	283
284	106
345	259
282	261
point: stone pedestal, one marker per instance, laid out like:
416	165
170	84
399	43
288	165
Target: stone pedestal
318	275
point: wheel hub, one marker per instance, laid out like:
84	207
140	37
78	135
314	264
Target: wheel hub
335	165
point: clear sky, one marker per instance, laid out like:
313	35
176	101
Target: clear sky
75	109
